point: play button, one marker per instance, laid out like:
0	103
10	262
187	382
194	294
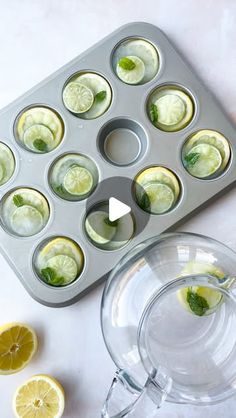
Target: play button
117	209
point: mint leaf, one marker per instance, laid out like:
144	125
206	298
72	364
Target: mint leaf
40	145
192	158
18	200
59	189
49	275
197	303
108	222
100	96
126	63
153	113
144	202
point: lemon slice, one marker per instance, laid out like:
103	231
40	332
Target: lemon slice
40	396
77	97
26	221
64	267
98	229
97	84
207	136
133	76
200	300
207	162
171	109
18	344
40	116
157	198
38	138
78	181
7	163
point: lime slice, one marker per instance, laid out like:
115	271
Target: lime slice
211	138
171	109
133	76
7	163
141	49
78	181
97	84
97	228
157	175
64	267
41	116
38	138
157	198
77	97
26	221
207	162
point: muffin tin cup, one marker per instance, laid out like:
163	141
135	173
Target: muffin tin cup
87	137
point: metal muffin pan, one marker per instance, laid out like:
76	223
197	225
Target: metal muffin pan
127	110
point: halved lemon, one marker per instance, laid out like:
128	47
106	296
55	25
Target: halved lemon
18	344
41	396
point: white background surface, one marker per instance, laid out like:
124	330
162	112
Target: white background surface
37	37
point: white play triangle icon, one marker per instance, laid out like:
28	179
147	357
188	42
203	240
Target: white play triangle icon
117	209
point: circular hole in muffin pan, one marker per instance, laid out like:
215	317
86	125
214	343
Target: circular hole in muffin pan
206	154
24	212
73	176
122	142
39	129
157	190
87	95
7	163
135	61
58	261
103	233
170	107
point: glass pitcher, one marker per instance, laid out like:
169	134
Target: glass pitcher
169	323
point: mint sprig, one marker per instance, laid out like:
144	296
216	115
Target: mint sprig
126	63
18	200
40	145
197	303
144	202
110	223
100	96
153	113
192	158
49	275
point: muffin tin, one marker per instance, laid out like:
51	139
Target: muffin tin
94	139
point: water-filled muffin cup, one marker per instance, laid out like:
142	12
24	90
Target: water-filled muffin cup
170	108
7	163
87	95
135	61
103	233
39	129
73	177
58	261
24	212
206	154
157	190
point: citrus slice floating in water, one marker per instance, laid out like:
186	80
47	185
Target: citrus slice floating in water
78	181
134	75
77	97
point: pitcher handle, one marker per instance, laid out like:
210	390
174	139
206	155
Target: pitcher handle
125	399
